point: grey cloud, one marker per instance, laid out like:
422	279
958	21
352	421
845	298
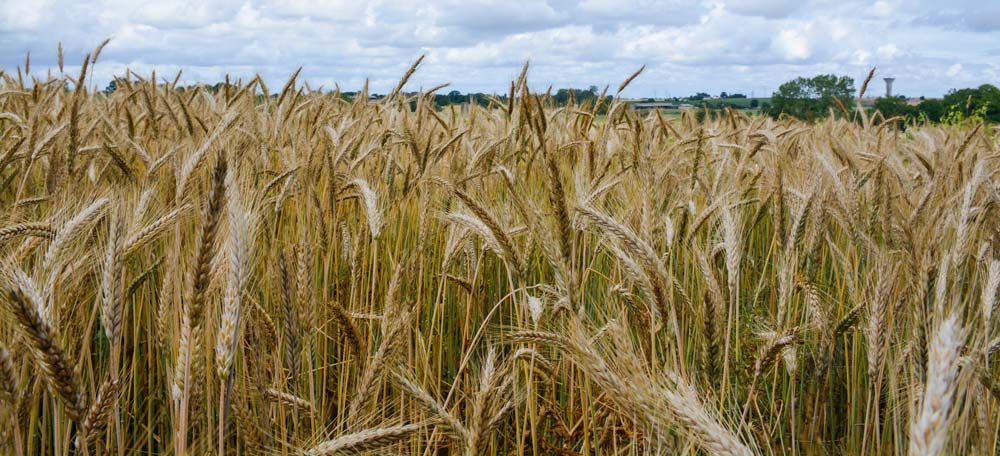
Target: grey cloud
983	18
773	9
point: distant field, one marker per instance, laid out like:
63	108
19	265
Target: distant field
741	102
715	102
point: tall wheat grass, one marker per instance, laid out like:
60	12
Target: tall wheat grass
247	272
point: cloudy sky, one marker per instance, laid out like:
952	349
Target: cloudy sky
746	46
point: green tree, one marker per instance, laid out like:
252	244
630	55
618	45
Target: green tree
561	96
983	99
895	106
810	98
931	110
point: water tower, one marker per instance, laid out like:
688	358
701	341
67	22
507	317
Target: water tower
888	87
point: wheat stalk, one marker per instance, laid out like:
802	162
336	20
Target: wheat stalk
242	225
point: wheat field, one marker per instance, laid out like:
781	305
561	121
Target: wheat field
255	271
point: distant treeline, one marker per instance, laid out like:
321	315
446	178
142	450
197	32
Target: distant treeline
560	97
817	97
804	98
981	103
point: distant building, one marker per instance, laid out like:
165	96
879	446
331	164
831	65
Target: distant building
654	105
888	86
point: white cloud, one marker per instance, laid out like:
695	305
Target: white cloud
688	46
792	44
861	57
23	14
882	8
888	51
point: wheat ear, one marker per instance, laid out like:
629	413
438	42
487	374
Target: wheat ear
56	366
42	230
929	430
8	379
367	440
96	420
